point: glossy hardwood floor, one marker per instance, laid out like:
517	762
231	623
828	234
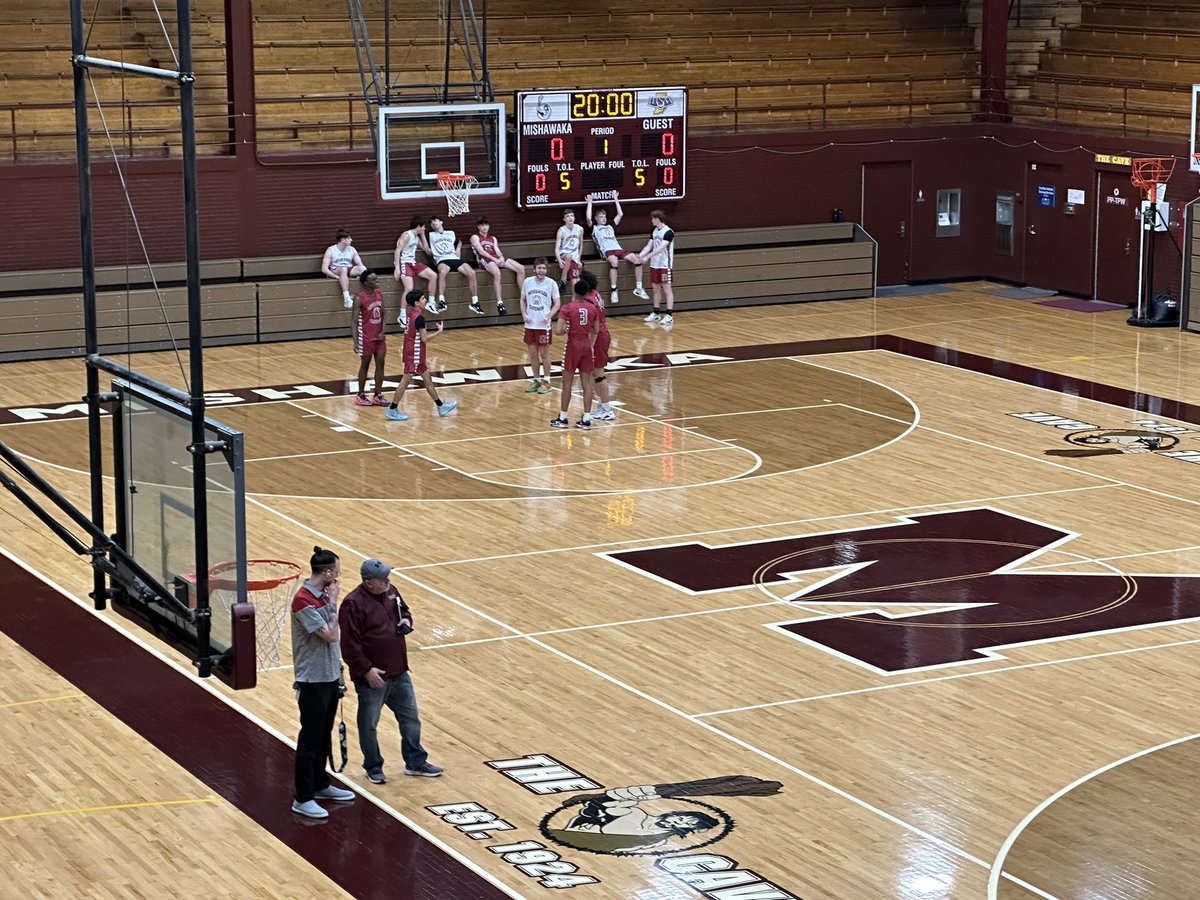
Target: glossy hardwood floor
946	604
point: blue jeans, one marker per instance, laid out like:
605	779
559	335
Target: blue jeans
397	695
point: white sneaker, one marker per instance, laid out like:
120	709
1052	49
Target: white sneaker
341	795
653	317
603	414
310	809
668	319
402	320
614	299
640	292
347	301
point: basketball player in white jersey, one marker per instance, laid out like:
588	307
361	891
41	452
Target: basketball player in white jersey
609	247
568	245
407	267
660	250
487	251
342	263
539	302
447	256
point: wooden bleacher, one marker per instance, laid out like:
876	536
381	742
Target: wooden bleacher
36	114
285	298
1124	68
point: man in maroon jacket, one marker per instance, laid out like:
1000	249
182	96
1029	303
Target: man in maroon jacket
374	620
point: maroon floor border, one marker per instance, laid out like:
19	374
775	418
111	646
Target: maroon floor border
366	851
1078	387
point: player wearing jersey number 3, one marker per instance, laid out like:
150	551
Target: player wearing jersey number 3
577	320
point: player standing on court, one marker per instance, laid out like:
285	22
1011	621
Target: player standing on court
568	245
341	263
660	250
369	340
415	362
577	320
487	251
407	267
539	303
609	247
604	411
447	256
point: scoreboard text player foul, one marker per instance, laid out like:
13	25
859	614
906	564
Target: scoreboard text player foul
574	143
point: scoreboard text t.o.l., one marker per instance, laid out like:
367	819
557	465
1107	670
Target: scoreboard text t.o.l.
574	143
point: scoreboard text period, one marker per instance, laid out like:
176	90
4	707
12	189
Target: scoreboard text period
574	143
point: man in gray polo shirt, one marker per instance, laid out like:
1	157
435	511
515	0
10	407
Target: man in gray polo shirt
317	661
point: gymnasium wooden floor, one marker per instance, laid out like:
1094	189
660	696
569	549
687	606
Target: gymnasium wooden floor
896	593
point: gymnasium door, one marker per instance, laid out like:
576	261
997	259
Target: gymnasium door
1058	235
887	217
1117	236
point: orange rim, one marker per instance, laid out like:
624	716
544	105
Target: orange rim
292	571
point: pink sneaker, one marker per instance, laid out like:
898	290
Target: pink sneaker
361	400
378	400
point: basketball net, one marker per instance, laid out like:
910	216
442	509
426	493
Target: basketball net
270	586
458	191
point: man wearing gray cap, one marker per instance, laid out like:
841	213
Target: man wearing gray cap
374	620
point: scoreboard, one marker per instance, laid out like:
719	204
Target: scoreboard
579	142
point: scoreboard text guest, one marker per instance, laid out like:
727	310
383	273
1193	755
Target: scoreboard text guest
575	143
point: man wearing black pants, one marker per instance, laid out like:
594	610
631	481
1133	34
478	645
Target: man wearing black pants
317	662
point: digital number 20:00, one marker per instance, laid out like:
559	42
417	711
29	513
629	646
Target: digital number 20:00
594	106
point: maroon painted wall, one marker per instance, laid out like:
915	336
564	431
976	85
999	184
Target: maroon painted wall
292	205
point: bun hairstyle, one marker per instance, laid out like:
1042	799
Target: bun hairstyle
322	560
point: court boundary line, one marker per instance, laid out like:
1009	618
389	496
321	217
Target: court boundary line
654	701
546	493
996	870
265	726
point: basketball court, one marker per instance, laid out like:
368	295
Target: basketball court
868	598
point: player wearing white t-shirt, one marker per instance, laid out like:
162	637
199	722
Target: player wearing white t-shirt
447	256
539	302
568	245
660	250
341	263
407	267
609	248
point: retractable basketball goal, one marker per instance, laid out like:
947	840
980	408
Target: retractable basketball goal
1148	174
270	586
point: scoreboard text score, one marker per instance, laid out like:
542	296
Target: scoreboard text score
574	143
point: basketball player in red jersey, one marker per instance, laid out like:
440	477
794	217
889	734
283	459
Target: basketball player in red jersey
604	411
369	340
487	251
578	321
415	339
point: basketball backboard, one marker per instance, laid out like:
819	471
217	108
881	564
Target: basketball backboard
156	521
417	142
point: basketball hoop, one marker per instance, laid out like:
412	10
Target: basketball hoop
458	191
270	585
1150	172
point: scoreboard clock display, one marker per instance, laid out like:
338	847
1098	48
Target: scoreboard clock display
574	143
